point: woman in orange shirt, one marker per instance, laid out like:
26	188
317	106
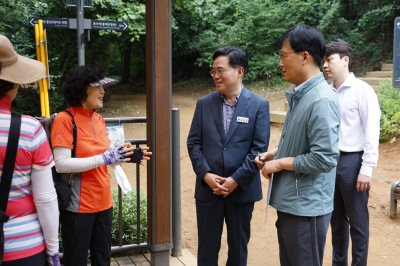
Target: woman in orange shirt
86	222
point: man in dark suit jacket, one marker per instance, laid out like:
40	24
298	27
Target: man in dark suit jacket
229	128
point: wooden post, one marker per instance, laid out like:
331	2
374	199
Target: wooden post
158	112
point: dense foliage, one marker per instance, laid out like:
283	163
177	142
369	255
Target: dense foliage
198	28
389	101
203	25
129	221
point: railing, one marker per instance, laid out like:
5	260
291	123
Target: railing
137	142
176	195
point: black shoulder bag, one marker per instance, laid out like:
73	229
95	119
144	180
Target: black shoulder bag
6	176
63	189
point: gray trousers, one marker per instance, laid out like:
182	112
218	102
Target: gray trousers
301	239
350	214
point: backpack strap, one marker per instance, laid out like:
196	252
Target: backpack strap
9	161
74	134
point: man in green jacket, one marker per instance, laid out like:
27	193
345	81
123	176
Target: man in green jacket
304	163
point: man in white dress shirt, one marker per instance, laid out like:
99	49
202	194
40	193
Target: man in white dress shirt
358	145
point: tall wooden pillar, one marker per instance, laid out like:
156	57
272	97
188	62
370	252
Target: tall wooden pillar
158	112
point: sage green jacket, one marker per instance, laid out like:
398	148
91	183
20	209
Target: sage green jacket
310	134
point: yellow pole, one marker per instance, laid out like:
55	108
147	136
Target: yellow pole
42	59
47	78
37	40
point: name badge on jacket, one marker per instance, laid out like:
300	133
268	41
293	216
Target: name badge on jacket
241	119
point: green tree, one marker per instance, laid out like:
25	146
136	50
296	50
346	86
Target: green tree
106	49
199	27
132	12
255	26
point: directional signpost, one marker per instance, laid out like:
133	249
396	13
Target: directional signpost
88	24
80	24
108	25
60	23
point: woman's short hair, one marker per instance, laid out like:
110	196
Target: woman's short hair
77	82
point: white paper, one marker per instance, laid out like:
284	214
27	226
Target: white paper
269	195
122	179
116	136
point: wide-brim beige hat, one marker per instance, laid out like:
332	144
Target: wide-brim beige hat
16	68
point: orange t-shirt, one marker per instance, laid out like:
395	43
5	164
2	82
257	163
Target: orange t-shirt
92	191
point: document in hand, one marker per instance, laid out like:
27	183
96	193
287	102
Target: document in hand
116	136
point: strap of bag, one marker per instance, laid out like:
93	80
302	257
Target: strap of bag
74	134
9	161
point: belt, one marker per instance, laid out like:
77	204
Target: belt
349	152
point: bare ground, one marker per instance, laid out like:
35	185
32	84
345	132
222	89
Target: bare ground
263	247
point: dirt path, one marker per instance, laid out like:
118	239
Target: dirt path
263	246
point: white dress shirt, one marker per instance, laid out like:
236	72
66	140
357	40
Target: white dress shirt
360	117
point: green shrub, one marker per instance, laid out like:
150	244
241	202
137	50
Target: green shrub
129	221
389	101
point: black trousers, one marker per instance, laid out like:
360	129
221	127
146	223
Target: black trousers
301	239
83	231
210	222
350	214
37	260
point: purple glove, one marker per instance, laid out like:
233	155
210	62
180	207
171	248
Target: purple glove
113	155
53	260
137	156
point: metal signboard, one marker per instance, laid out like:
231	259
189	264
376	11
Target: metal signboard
80	24
60	23
396	53
88	24
108	25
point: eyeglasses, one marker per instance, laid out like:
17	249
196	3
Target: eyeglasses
219	71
